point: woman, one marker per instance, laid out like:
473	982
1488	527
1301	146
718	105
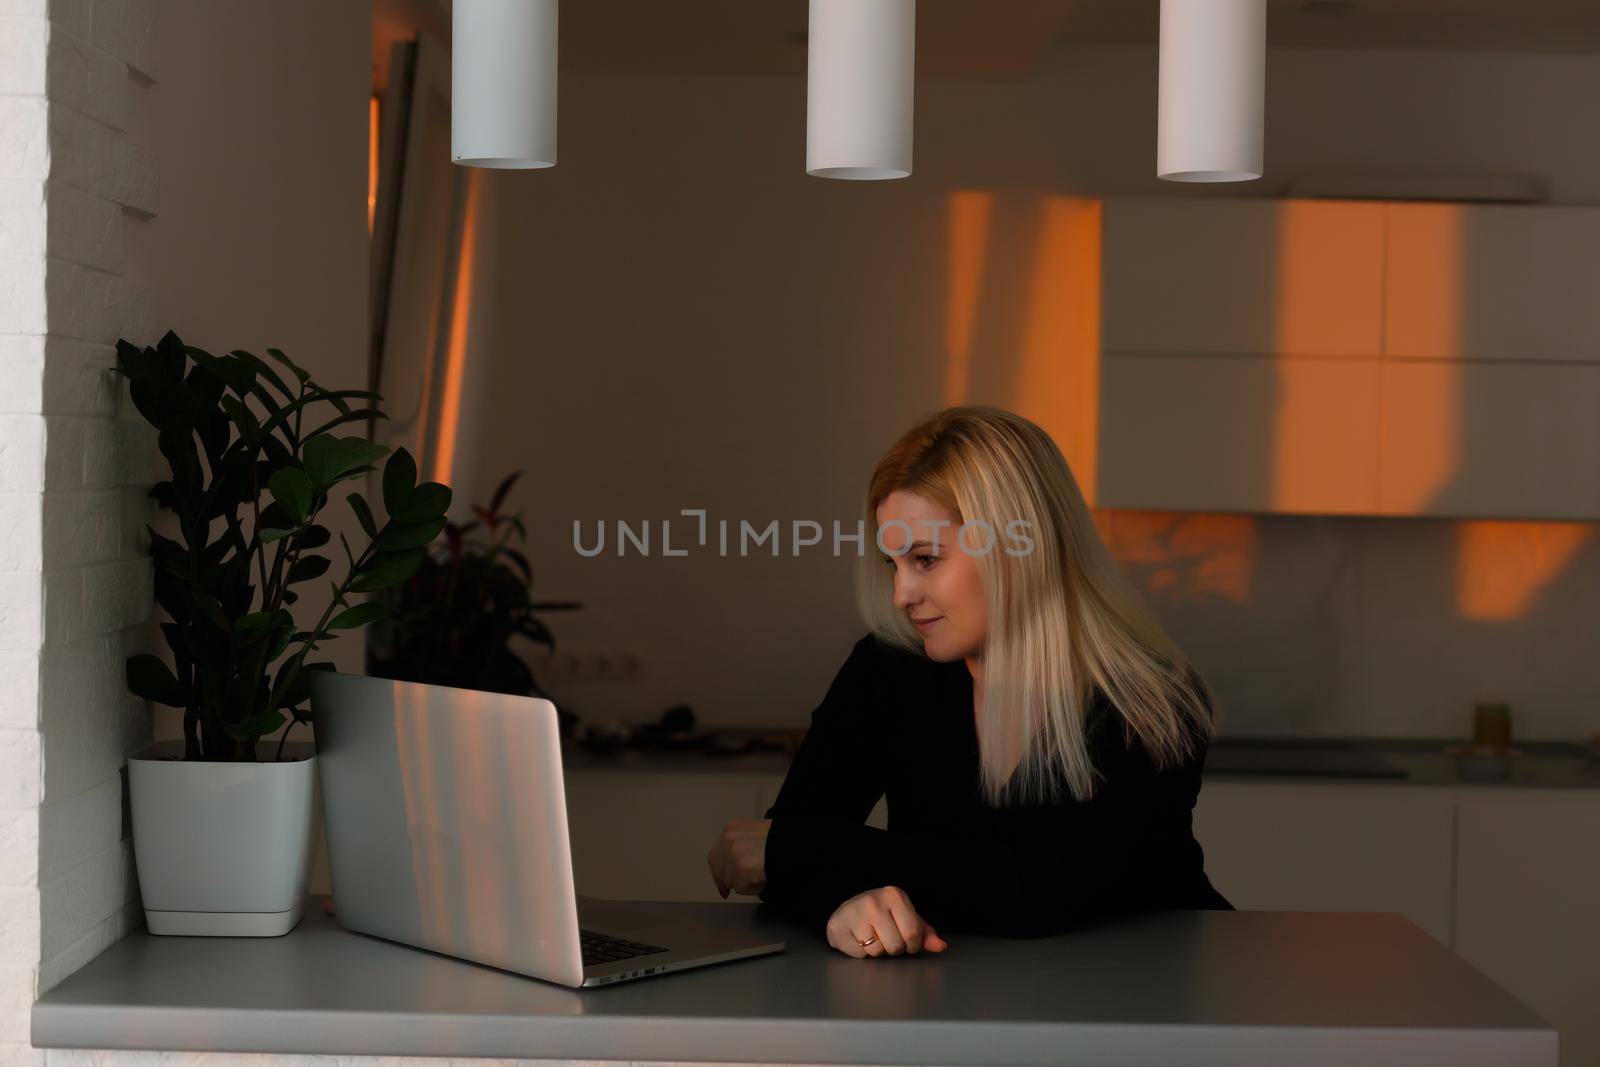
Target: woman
1038	735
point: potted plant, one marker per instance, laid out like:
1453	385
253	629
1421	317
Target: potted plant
455	619
222	821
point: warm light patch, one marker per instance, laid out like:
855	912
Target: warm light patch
372	162
456	353
1324	446
971	218
1326	294
484	859
1422	401
1184	556
1502	567
1057	383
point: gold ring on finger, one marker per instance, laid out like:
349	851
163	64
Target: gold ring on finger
868	941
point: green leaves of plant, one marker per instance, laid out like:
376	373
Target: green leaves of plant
396	536
252	448
399	477
291	488
258	725
306	568
359	615
329	459
358	504
388	568
416	516
427	502
151	679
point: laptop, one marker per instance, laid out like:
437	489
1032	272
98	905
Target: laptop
447	829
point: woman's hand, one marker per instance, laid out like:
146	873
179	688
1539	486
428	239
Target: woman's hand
887	915
738	857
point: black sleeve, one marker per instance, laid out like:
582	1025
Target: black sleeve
1030	871
1019	871
834	782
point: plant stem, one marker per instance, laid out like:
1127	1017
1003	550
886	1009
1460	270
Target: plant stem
292	668
256	547
294	718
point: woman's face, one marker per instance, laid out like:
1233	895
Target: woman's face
936	582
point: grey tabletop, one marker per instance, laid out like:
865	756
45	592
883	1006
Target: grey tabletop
1174	988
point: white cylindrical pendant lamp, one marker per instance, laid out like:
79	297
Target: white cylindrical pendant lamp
503	83
861	59
1212	91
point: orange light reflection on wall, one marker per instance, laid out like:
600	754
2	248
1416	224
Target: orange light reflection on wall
372	162
971	216
1184	556
1501	567
1057	383
456	353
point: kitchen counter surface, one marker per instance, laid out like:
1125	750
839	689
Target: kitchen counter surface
1402	761
1233	988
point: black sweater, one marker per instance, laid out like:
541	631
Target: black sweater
898	723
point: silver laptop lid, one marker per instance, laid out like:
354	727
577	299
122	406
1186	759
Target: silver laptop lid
447	821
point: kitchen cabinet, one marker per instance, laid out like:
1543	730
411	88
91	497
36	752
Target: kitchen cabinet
1297	846
1320	357
644	836
1499	440
1258	277
1528	903
1495	282
1224	433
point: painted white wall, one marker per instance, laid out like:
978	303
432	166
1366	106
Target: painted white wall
261	135
687	320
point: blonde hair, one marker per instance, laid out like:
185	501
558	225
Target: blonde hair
1064	621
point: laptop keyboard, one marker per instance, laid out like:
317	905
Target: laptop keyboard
602	948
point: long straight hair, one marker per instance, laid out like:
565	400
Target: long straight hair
1064	621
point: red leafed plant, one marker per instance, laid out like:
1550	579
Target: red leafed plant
456	619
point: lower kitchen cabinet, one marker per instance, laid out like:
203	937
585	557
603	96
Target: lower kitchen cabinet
1528	904
1299	846
644	836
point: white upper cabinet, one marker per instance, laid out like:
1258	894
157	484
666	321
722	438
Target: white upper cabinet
1350	358
1493	282
1258	277
1240	345
1223	433
1490	440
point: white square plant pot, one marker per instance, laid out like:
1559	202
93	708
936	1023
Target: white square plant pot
222	849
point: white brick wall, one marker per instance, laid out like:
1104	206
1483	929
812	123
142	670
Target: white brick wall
24	164
74	583
96	581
